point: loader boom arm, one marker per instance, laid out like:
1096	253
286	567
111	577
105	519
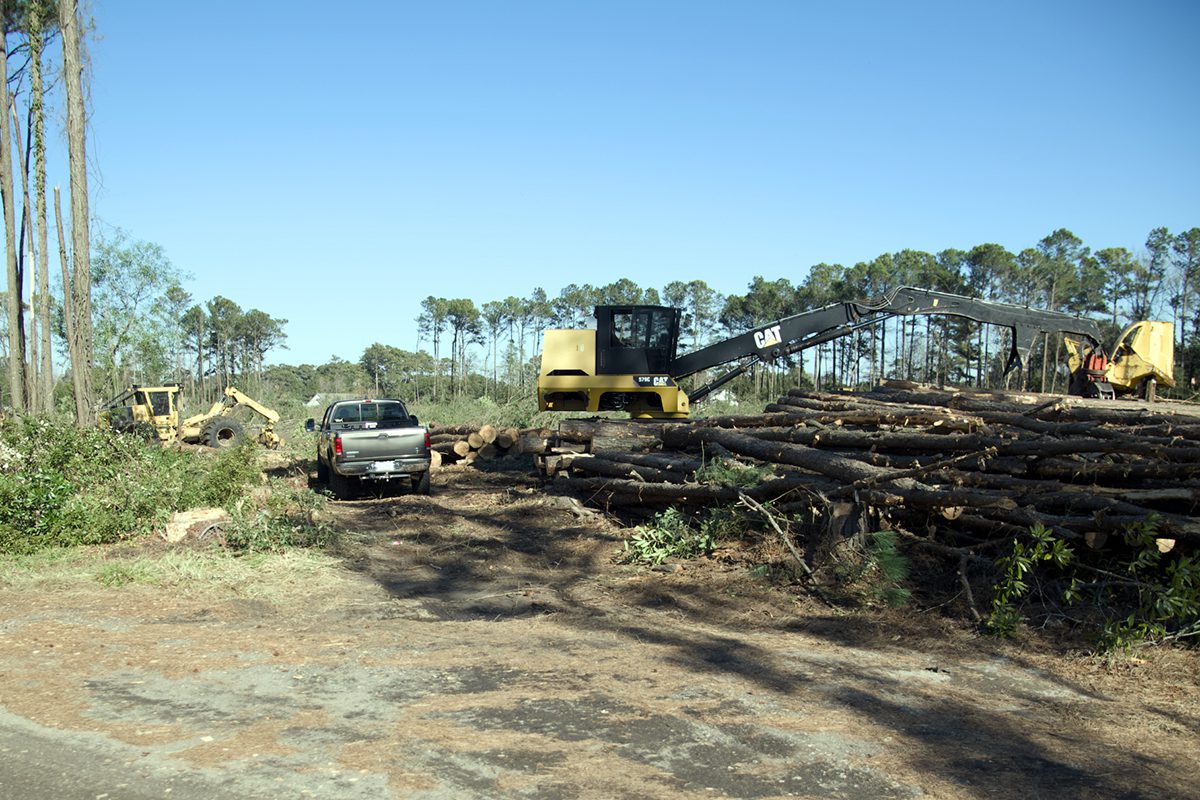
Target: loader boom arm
810	328
241	398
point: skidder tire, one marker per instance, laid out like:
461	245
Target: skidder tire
222	432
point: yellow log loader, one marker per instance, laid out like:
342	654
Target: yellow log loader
629	361
154	412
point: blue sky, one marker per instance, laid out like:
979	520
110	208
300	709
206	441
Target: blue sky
333	166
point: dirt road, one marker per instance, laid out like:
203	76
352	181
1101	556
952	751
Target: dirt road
484	643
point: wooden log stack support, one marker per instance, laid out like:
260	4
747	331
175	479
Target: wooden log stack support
946	466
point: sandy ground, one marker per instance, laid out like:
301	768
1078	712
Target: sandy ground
484	642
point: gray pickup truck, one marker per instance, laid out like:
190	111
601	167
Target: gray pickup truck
370	440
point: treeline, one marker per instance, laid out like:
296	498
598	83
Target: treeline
491	349
148	329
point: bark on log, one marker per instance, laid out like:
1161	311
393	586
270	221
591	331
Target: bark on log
587	430
935	443
621	491
604	467
671	462
456	430
943	422
534	442
442	438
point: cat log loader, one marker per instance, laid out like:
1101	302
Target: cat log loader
1143	358
154	412
629	362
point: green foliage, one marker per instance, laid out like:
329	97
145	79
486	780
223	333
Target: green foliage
287	521
892	566
669	535
62	486
226	479
721	524
123	573
1144	596
879	567
723	472
519	413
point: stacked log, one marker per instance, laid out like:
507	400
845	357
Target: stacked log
466	444
970	465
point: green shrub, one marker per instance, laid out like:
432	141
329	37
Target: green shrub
722	472
1140	594
287	521
669	535
875	566
62	486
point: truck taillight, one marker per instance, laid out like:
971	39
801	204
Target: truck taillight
427	442
337	445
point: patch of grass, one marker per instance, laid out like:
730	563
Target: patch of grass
274	577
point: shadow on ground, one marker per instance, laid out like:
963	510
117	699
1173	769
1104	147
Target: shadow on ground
489	547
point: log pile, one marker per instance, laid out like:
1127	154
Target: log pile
963	466
466	444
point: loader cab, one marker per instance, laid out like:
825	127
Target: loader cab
144	407
633	340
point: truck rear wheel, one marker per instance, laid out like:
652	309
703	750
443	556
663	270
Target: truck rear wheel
222	432
421	483
339	485
322	472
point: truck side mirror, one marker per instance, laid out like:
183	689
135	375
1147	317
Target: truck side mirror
310	425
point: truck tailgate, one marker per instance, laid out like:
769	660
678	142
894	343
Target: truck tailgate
369	445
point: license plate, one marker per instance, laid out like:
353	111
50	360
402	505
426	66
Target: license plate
383	466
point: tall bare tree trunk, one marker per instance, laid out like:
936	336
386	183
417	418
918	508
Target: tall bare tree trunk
81	369
38	137
16	321
68	305
32	381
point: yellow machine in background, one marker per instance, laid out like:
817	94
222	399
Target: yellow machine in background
629	361
154	411
1142	358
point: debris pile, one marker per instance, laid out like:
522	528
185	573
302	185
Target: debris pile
948	466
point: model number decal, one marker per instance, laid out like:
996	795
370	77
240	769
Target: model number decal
767	337
652	380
